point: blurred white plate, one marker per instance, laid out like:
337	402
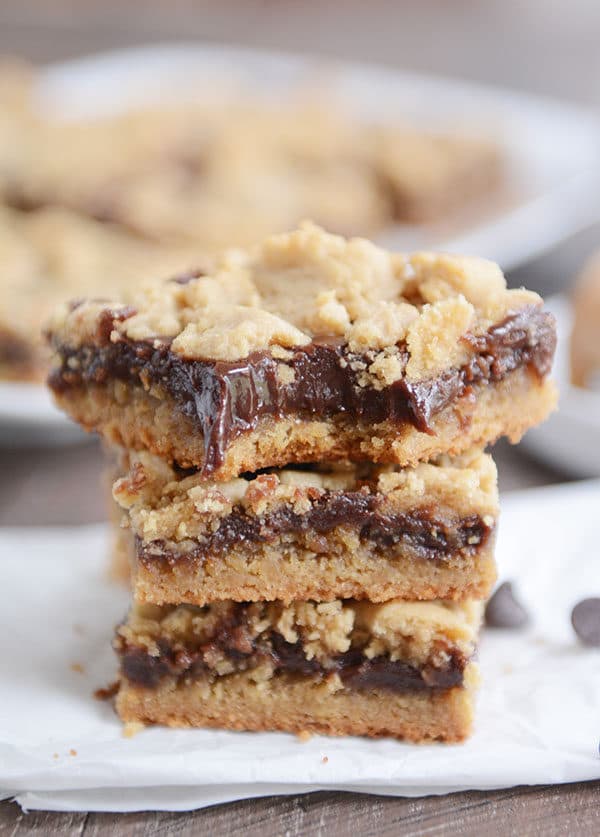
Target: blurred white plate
552	152
570	439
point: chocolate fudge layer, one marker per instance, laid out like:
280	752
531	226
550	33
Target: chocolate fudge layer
310	348
355	531
250	666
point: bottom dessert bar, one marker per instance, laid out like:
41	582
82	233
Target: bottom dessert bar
401	669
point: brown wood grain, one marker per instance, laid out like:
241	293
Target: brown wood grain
527	812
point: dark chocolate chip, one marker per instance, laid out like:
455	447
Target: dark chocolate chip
505	611
585	618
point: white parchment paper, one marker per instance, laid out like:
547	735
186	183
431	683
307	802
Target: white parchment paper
60	749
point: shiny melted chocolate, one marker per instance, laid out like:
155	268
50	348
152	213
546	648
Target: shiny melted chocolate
423	530
227	399
233	641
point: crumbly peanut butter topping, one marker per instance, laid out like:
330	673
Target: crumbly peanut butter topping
416	632
161	505
308	283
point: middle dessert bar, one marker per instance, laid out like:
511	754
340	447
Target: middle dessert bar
360	531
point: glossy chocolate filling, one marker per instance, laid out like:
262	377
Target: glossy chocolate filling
426	533
226	399
233	642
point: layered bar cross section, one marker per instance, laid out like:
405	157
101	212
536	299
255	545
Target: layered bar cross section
403	669
354	531
309	348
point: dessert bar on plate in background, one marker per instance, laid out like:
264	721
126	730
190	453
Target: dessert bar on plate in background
53	254
374	152
225	166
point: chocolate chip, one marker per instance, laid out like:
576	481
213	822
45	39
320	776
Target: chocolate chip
504	611
585	618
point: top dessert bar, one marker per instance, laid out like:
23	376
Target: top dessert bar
309	348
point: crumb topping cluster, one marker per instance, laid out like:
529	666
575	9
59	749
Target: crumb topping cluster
161	505
416	632
309	284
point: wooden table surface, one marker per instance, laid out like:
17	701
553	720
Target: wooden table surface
506	42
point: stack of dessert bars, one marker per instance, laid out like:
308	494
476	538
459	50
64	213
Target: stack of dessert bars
308	509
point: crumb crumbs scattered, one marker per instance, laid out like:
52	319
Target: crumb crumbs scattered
107	692
304	735
72	752
325	759
132	728
54	755
78	667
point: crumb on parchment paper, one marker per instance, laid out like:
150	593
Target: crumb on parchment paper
132	728
72	752
107	692
77	667
304	735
